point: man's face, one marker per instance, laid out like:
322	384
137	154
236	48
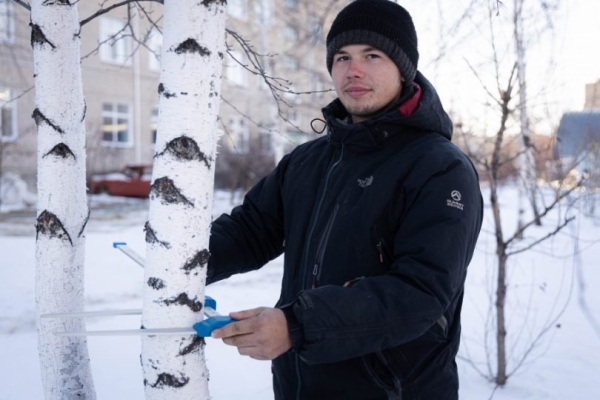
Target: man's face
365	79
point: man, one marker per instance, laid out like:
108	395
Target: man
378	222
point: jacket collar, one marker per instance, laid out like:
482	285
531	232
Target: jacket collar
420	111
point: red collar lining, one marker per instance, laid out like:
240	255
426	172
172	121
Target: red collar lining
409	107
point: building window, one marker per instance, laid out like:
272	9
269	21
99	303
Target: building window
115	44
317	87
292	115
262	9
262	85
266	145
314	29
291	63
290	33
154	123
237	9
235	72
291	97
154	50
293	4
8	116
240	135
293	139
7	22
116	124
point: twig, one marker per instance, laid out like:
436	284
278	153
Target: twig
23	4
112	7
19	96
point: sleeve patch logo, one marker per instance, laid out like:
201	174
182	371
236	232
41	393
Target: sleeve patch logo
455	200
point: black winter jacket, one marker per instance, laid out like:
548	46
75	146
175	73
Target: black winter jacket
378	222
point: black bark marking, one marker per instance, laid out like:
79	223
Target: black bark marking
156	283
87	218
38	37
187	149
208	3
163	92
221	55
183	300
213	90
84	111
191	46
56	2
168	380
165	189
61	150
198	261
152	238
50	225
194	347
153	363
40	118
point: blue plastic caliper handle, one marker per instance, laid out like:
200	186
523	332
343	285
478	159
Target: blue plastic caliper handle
205	328
209	302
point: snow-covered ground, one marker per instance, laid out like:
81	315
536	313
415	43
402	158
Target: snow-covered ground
554	287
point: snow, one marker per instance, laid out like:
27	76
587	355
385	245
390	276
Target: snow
14	194
552	287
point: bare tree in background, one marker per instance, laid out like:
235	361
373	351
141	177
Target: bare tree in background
493	158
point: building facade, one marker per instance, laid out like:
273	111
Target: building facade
121	71
592	96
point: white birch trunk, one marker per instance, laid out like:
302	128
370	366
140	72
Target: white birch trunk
526	162
62	207
178	230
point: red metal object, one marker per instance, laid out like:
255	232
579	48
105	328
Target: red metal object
132	181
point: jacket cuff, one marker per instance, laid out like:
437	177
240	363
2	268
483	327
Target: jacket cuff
294	328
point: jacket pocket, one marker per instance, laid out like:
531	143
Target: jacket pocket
382	375
384	253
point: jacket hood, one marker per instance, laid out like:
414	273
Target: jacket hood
428	117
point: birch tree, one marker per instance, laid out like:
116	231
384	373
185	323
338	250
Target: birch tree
527	183
62	211
178	229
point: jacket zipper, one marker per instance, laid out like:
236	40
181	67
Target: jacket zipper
317	215
380	250
307	248
323	246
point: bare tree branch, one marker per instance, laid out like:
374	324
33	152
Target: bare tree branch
112	7
23	4
545	212
13	99
276	85
540	240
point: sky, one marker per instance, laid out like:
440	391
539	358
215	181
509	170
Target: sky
547	287
580	53
560	62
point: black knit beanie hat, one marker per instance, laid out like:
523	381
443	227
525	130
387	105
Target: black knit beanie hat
382	24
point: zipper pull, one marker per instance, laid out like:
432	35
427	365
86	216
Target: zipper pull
380	249
315	275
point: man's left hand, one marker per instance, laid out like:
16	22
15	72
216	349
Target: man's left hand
260	333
